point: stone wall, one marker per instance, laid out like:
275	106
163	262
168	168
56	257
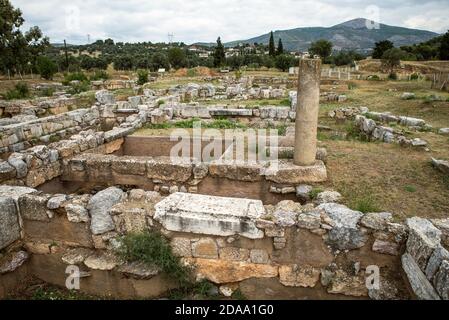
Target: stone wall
161	173
20	136
322	247
36	165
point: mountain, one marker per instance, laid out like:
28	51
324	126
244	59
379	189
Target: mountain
349	35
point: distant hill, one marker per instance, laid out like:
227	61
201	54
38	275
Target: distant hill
350	35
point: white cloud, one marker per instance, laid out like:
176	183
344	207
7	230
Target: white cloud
205	20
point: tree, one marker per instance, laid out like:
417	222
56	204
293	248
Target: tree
284	61
271	47
280	47
381	47
46	67
19	52
177	58
159	61
219	54
392	58
142	77
322	48
444	47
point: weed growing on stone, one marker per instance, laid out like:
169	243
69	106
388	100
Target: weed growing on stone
152	249
314	193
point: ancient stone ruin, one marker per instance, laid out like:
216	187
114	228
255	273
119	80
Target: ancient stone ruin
74	183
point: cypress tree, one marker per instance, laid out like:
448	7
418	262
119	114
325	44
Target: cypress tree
219	54
280	47
271	47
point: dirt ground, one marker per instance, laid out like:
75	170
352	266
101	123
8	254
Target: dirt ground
392	178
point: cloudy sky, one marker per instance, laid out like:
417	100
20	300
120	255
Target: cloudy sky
204	20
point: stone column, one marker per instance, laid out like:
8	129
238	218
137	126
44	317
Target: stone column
307	112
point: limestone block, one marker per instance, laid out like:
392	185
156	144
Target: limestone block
418	281
298	276
225	271
234	254
210	215
162	168
99	206
423	239
34	207
345	233
285	172
205	248
181	247
9	222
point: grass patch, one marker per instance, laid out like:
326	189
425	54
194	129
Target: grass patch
410	188
20	91
285	102
364	204
188	124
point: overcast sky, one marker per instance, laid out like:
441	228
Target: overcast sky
204	20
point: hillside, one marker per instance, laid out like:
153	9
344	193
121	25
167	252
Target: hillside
350	35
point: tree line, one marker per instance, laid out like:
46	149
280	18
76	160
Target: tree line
31	52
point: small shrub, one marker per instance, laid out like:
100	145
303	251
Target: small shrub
74	76
238	74
152	249
99	75
393	76
160	102
46	67
47	92
142	77
352	131
79	87
314	193
282	129
352	86
414	77
373	77
20	91
54	138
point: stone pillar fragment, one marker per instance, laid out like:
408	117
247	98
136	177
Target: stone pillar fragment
307	111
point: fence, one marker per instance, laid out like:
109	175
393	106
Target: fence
440	81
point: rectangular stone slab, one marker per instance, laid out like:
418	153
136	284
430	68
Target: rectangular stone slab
210	215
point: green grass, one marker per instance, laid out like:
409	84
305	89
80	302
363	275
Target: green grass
410	189
188	124
153	249
285	102
364	204
314	193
